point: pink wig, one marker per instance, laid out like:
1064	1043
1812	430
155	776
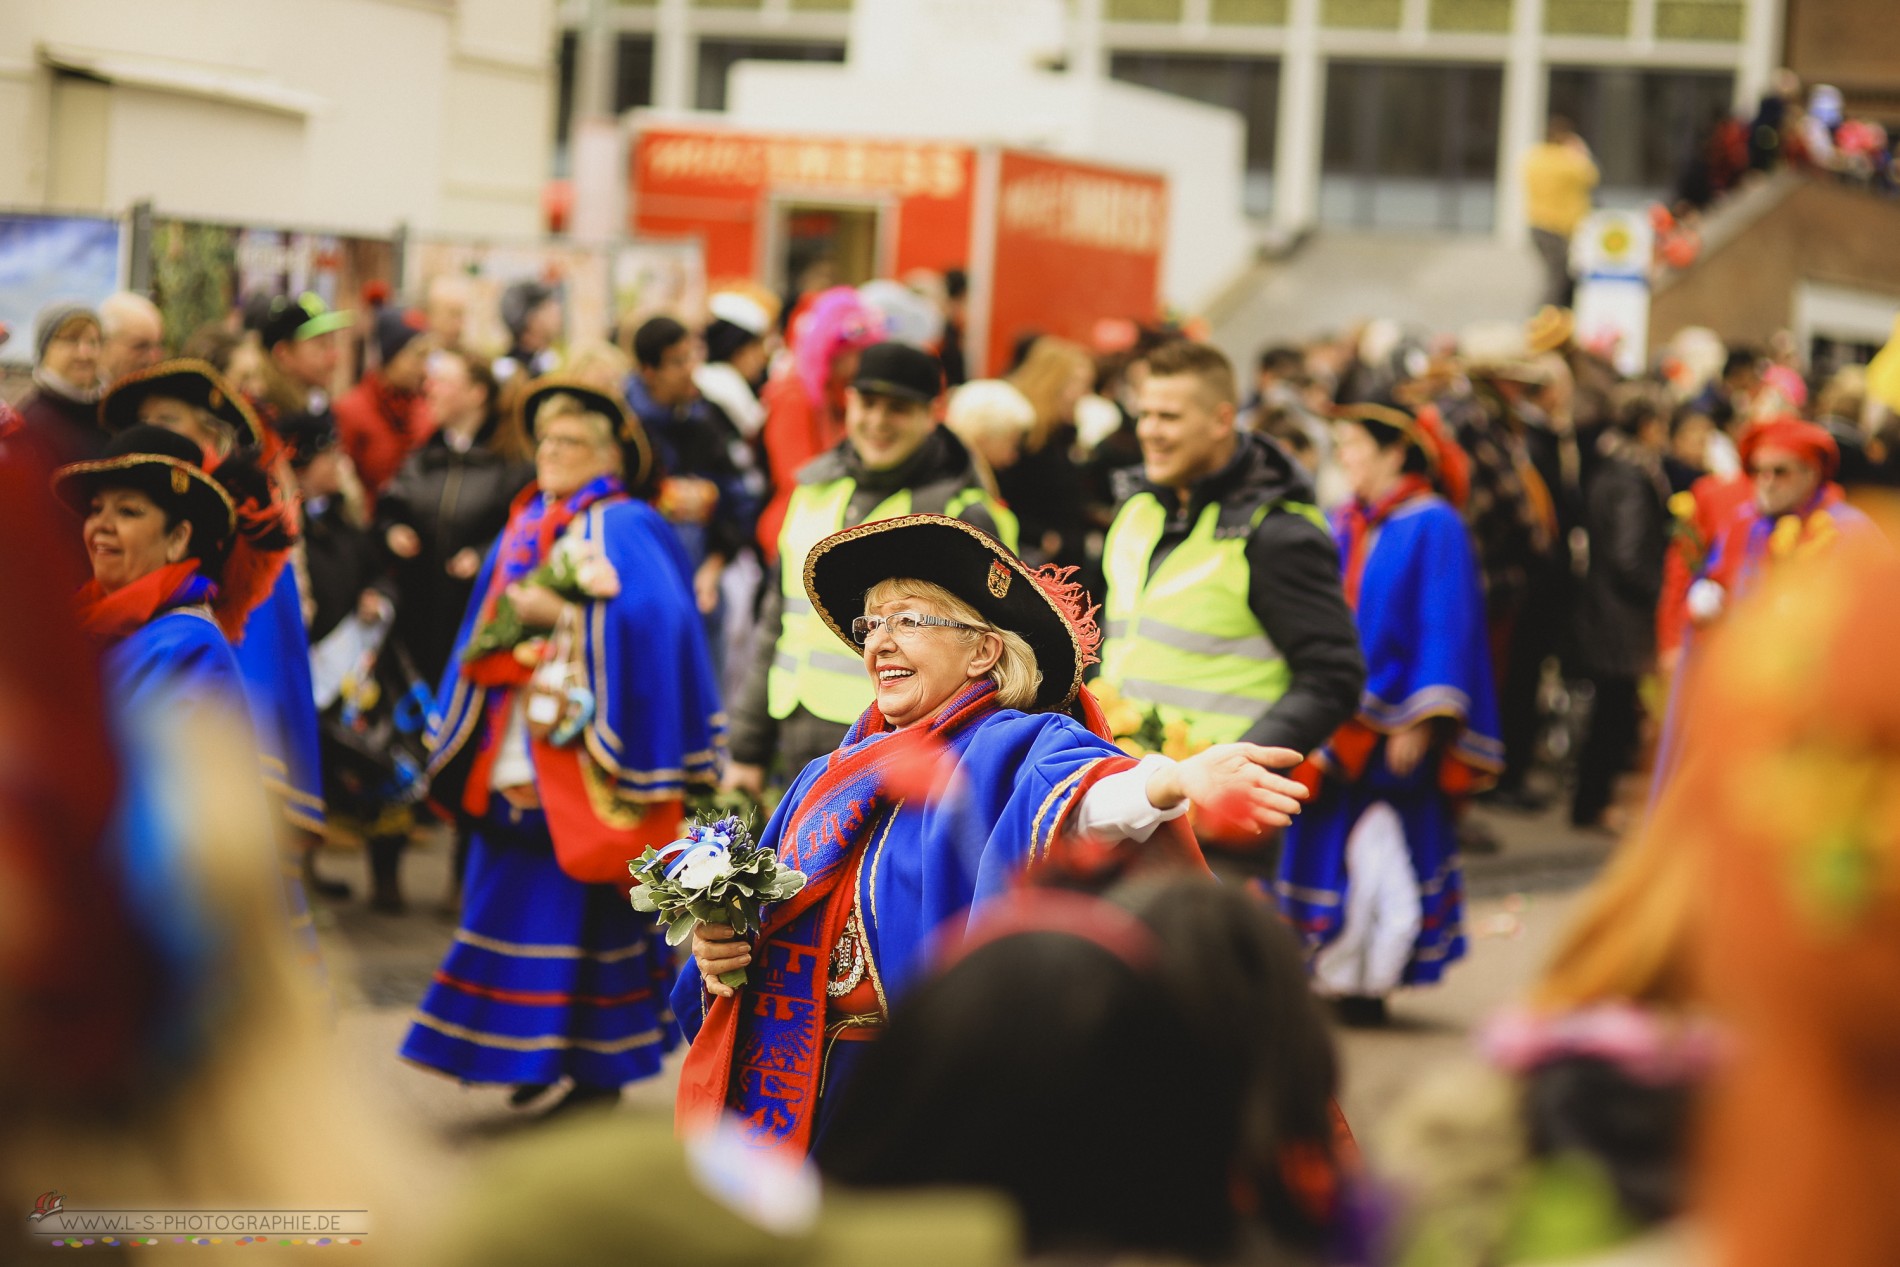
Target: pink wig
836	322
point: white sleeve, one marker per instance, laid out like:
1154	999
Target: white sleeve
1117	808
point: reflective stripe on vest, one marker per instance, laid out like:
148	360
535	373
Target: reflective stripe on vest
1185	640
811	667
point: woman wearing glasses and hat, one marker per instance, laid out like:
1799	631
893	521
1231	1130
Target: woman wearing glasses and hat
569	733
1369	876
965	771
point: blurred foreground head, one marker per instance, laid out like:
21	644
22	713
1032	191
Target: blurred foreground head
1794	823
1105	1074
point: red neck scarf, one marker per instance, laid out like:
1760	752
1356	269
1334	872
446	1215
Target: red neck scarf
1361	519
131	607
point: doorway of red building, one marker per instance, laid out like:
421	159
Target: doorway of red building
848	242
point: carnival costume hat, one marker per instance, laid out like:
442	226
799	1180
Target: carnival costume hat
196	383
632	437
1810	441
166	467
1448	466
1050	612
1551	330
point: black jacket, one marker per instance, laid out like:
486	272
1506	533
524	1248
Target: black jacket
1629	536
939	470
1294	588
454	501
341	560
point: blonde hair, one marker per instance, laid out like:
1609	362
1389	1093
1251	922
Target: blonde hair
1631	940
1015	673
601	366
1044	377
988	406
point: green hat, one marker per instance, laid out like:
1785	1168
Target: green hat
620	1189
304	316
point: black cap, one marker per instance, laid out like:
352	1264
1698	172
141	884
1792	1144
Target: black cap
902	370
304	316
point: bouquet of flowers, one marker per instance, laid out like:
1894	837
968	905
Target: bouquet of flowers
1139	733
576	569
715	874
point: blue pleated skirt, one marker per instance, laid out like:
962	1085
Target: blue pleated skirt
1311	888
547	977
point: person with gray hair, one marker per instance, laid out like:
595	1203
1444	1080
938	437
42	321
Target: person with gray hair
59	418
133	330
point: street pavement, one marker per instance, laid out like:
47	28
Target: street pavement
380	965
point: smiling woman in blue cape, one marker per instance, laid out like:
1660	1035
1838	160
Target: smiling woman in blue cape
552	975
965	772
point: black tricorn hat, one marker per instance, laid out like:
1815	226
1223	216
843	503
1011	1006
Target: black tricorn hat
1051	613
627	429
195	382
167	468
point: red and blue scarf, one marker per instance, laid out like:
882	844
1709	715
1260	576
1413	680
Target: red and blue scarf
761	1053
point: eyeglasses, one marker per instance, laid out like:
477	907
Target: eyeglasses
903	625
1776	472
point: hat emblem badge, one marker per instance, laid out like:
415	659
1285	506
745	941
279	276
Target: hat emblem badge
180	481
999	578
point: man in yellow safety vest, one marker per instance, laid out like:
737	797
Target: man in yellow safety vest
803	692
1224	609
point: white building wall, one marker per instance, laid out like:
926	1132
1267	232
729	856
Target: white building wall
346	114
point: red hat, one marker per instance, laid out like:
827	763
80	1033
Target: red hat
1805	438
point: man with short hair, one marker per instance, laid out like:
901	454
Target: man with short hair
704	495
134	332
302	346
532	312
1224	608
896	459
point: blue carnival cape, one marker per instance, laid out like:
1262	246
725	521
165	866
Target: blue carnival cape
274	657
1421	624
176	663
1016	777
657	725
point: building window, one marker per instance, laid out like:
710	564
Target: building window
564	99
1142	10
1699	20
1587	17
1247	12
1493	16
633	72
1367	15
1410	145
716	57
1649	129
1249	85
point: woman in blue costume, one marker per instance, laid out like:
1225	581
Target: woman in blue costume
552	975
1369	875
259	609
273	651
964	773
158	532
